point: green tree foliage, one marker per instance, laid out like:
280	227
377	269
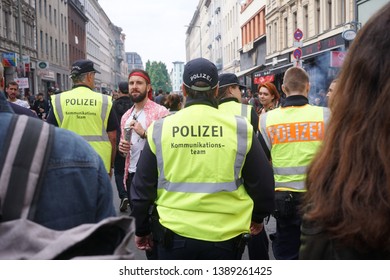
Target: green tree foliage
159	75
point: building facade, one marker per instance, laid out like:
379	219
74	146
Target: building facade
134	61
176	76
77	31
231	43
253	47
18	39
53	46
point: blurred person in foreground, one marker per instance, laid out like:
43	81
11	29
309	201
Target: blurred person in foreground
87	113
192	168
293	133
347	205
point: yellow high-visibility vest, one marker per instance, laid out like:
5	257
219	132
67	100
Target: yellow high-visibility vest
86	113
236	108
200	159
293	135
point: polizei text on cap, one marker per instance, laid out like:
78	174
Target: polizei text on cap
201	76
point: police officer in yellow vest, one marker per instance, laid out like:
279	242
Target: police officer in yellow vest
229	99
193	167
87	113
293	133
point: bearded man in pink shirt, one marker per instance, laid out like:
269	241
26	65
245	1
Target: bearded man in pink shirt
135	121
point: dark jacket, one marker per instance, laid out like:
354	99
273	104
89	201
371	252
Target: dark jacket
121	105
316	245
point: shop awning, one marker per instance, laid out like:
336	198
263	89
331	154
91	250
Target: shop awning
249	71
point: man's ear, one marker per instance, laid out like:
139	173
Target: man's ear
183	89
283	88
216	91
308	87
148	87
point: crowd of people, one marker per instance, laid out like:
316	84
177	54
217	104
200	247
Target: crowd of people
203	171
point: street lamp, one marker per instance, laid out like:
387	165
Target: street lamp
200	36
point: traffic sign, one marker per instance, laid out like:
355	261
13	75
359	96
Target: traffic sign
298	34
297	53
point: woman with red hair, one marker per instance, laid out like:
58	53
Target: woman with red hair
268	96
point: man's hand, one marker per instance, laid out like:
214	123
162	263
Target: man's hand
256	228
144	242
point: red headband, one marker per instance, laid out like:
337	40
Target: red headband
140	74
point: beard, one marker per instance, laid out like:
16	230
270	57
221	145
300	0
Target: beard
139	98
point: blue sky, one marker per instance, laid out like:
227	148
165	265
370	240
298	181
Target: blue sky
155	29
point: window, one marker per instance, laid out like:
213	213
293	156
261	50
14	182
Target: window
50	13
15	20
329	14
269	38
56	49
55	17
47	45
41	41
62	53
285	41
317	16
66	53
6	26
305	21
295	21
341	12
51	48
45	8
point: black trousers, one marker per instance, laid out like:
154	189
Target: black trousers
258	246
183	248
128	185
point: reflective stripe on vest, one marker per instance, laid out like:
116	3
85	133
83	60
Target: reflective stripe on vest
89	138
236	108
191	187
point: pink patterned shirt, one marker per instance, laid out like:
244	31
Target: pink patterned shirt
153	111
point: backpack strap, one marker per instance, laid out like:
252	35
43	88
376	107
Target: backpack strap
25	160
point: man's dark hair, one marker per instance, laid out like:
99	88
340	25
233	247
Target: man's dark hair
12	83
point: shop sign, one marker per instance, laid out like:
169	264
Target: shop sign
337	58
9	59
322	45
43	64
263	79
22	82
349	34
46	74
